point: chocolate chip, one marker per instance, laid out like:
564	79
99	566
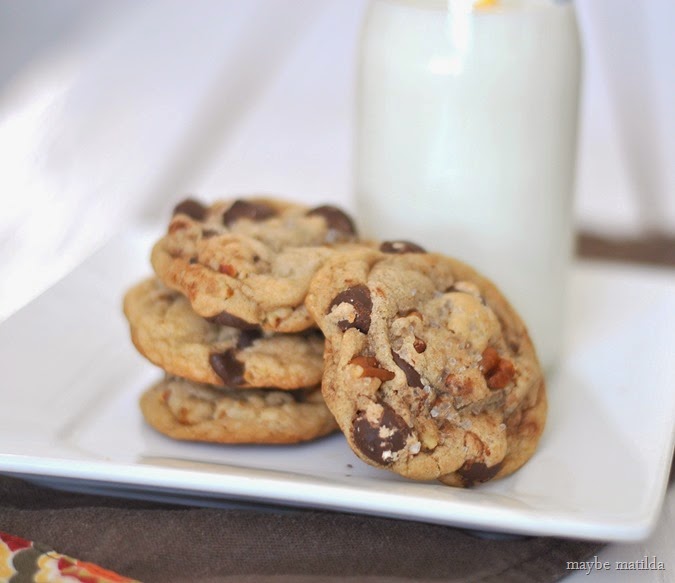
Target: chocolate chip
208	233
381	441
227	319
192	208
477	472
411	375
401	247
300	395
359	297
227	367
254	211
336	219
248	337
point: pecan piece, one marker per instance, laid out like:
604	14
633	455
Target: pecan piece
419	345
490	360
227	269
502	376
371	368
498	371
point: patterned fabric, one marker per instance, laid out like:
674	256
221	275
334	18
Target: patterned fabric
23	561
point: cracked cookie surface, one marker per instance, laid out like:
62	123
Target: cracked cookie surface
166	330
250	261
428	370
196	412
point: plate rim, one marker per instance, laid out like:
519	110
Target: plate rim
116	473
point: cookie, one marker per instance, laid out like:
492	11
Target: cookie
190	411
166	330
249	262
429	371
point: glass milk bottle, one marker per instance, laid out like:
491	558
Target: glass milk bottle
466	141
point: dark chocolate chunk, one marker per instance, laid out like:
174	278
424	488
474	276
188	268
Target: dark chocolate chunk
254	211
381	441
248	337
477	472
359	297
227	367
411	375
192	208
227	319
336	219
401	247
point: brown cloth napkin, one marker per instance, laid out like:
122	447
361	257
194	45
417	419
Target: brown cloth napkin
158	543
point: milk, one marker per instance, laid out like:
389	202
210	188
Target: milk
466	142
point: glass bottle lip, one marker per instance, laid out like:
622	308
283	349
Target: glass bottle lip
478	6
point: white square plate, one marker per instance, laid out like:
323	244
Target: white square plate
71	380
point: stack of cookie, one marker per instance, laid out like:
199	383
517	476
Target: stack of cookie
224	318
423	365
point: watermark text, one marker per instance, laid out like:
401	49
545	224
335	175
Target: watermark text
645	563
